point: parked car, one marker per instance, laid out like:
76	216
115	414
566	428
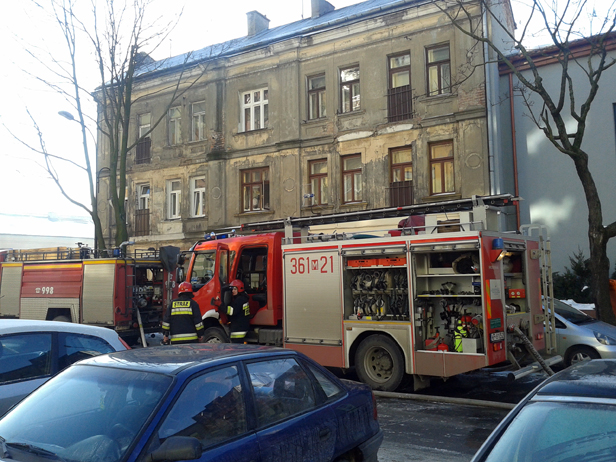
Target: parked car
569	417
33	351
208	402
580	337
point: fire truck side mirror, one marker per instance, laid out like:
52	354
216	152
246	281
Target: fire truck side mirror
181	259
180	276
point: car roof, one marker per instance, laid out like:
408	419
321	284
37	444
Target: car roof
14	326
175	358
591	379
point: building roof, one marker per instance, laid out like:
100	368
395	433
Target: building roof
332	19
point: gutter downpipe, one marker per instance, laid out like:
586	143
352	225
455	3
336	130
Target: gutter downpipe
514	148
491	157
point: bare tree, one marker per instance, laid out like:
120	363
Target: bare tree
119	40
564	24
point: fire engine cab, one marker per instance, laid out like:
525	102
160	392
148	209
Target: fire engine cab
451	295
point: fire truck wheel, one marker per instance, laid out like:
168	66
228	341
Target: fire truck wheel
379	363
62	318
214	335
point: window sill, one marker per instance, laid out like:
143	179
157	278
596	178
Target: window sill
441	197
310	208
435	98
315	121
354	204
197	217
254	132
352	113
254	213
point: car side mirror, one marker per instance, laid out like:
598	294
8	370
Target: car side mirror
176	448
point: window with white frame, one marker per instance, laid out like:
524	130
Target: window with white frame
316	97
349	89
145	141
175	120
255	110
174	196
144	124
197	196
198	121
143	197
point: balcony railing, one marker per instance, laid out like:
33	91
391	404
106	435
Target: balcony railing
399	103
142	222
143	151
400	193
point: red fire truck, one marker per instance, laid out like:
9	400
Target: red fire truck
448	297
125	292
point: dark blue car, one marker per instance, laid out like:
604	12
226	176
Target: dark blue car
202	402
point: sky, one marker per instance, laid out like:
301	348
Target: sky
26	190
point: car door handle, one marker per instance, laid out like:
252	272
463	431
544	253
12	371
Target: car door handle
324	433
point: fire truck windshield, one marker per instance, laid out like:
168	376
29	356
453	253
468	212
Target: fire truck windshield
203	268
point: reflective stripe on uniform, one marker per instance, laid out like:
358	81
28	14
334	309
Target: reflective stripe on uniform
238	334
199	326
175	311
230	311
166	326
179	337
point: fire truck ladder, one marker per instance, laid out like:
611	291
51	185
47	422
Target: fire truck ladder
547	283
481	206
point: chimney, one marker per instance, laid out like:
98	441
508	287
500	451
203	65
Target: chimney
320	7
256	23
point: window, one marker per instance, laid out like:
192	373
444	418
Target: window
401	187
25	357
281	389
144	145
255	111
197	196
349	89
399	94
142	214
352	178
203	268
211	408
255	189
330	389
439	72
175	119
174	194
441	167
74	347
316	97
318	181
198	121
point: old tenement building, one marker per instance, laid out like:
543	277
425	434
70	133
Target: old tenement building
369	106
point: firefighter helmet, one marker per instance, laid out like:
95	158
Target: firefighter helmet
185	287
238	284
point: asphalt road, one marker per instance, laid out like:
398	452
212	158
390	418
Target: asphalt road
433	432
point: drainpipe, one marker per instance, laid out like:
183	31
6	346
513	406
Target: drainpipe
514	152
490	111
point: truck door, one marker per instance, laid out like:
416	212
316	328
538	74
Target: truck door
209	274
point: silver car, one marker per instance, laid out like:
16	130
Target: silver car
33	351
580	337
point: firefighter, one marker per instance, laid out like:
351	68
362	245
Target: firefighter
182	322
238	311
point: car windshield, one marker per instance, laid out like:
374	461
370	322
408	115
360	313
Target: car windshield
557	431
86	413
571	314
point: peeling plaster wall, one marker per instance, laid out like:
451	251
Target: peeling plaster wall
290	141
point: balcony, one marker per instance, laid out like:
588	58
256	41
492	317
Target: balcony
399	103
143	151
400	193
142	222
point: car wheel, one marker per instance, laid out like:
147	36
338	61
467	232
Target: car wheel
214	335
580	353
379	363
62	319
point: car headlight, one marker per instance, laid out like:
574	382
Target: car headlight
604	339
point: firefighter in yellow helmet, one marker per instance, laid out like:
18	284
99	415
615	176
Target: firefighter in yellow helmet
182	321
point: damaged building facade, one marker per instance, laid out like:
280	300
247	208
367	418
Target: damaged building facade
379	104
